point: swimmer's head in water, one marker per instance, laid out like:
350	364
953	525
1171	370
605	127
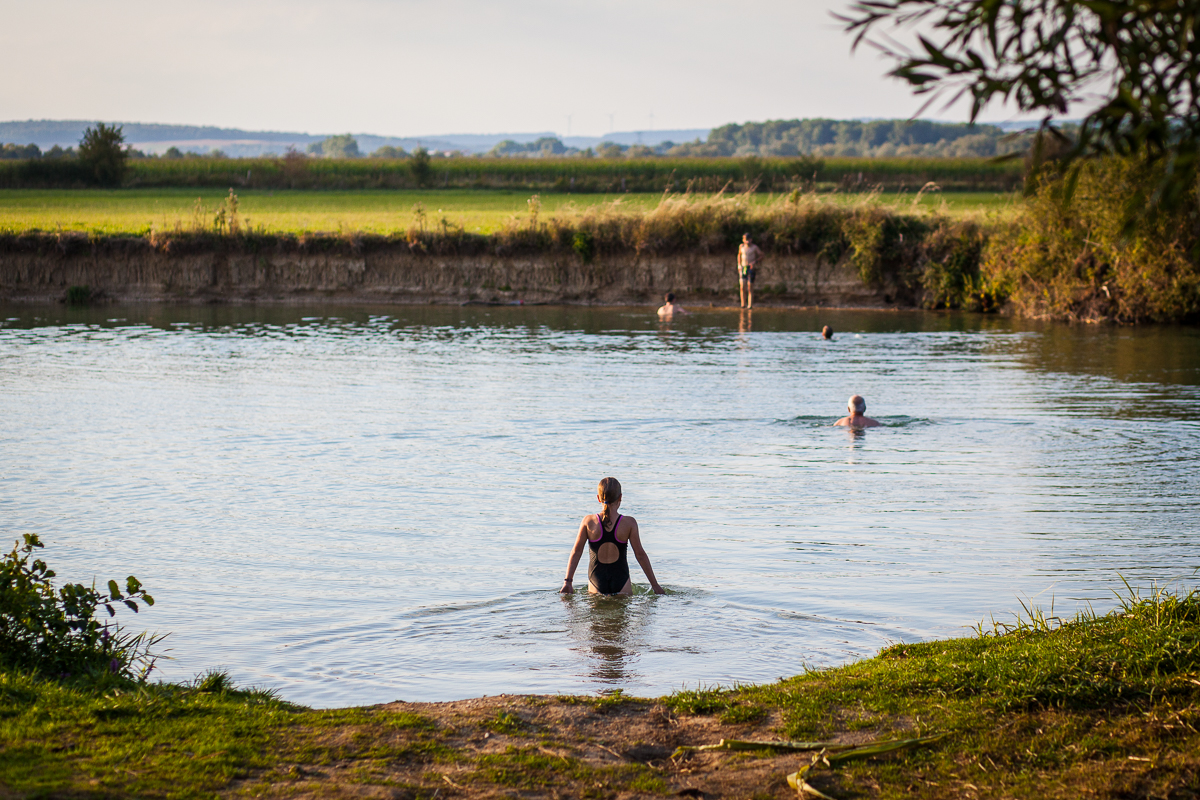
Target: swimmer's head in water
856	404
827	332
608	491
670	298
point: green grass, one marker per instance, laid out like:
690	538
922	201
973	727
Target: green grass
154	740
1043	708
138	211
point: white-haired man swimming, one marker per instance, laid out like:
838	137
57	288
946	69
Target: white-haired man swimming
857	407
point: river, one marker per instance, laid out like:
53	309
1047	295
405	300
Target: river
355	505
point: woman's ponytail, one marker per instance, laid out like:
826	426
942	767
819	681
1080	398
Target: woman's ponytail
608	491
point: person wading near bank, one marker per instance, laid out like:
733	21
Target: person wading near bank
669	309
608	536
748	257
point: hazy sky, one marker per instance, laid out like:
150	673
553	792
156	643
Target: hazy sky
413	67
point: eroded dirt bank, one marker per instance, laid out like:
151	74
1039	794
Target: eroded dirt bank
530	746
397	275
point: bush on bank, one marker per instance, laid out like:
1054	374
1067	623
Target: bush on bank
1079	258
59	632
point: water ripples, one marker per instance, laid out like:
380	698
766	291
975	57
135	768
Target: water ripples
359	505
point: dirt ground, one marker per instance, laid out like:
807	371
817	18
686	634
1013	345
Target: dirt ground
533	747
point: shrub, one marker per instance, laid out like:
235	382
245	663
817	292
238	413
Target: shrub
79	295
14	150
100	150
57	633
584	246
952	277
1077	256
418	165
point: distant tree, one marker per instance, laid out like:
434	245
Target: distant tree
57	152
103	155
549	146
173	152
874	138
508	147
344	146
217	152
610	150
545	146
419	166
696	148
387	151
20	151
1140	58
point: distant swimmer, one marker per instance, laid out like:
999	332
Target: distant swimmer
827	332
608	536
748	257
857	407
669	308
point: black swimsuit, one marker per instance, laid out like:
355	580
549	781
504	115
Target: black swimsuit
608	578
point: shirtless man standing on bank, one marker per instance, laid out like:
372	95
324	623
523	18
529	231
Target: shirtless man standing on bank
857	407
748	257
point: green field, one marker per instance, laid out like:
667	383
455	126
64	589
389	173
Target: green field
139	211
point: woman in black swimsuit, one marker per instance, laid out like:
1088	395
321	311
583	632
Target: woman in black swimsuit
608	536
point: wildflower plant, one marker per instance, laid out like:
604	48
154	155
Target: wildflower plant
64	633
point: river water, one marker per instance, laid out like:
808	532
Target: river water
356	505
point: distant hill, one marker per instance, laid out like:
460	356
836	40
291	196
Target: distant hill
884	138
156	139
815	137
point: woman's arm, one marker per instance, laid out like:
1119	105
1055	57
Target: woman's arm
573	562
639	552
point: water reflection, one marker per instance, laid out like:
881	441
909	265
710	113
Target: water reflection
610	631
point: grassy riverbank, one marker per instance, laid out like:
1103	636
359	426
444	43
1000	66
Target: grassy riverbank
1101	706
1038	257
138	211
